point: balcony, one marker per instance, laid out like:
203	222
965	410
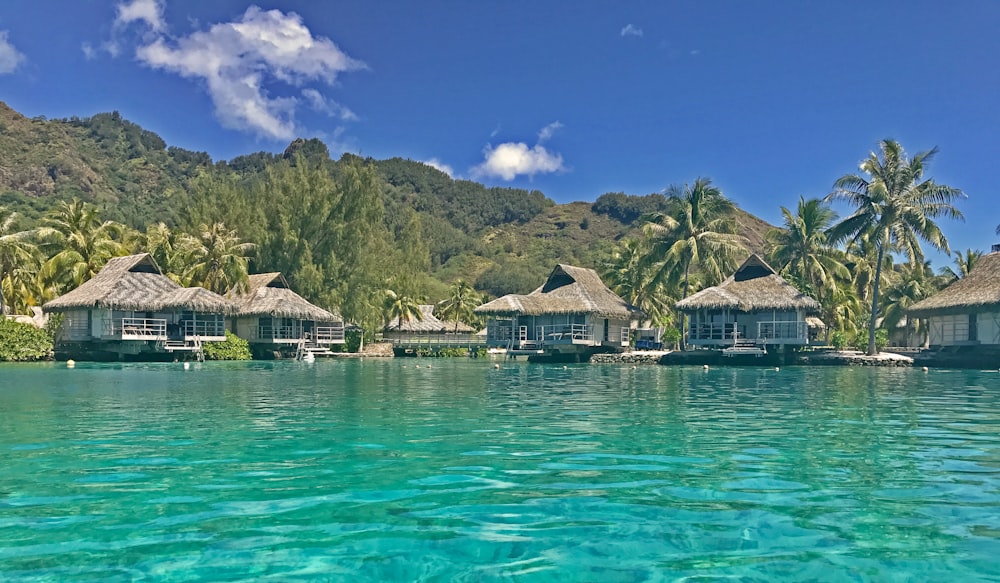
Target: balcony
328	335
136	329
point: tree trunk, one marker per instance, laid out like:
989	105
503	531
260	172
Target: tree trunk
687	270
872	350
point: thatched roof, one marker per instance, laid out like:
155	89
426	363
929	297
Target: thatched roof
197	299
755	287
428	324
135	283
268	294
568	290
976	292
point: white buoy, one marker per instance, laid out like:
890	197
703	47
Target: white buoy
187	365
705	367
70	363
565	367
496	366
776	369
925	369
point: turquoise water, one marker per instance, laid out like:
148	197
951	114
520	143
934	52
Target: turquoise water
383	471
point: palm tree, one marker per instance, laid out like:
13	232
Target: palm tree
802	249
401	308
79	244
219	260
170	249
697	232
913	282
459	305
964	263
18	254
895	209
629	276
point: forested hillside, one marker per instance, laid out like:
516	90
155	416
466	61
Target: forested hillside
335	227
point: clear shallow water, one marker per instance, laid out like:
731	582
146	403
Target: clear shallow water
381	471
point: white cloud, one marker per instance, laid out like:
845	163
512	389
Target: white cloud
322	104
439	165
10	57
148	11
631	30
239	61
548	131
513	159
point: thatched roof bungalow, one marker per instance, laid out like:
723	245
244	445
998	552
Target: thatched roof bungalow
572	311
428	324
269	313
755	305
966	312
130	307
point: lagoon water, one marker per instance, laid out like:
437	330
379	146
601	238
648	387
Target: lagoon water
383	471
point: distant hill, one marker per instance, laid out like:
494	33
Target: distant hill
502	239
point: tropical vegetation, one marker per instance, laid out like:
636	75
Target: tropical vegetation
373	239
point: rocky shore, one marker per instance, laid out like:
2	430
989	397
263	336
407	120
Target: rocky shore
712	357
636	357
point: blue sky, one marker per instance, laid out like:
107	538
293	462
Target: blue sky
773	100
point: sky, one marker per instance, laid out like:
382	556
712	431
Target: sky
772	100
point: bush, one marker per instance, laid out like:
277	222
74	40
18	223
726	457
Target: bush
839	340
23	342
234	348
671	337
881	340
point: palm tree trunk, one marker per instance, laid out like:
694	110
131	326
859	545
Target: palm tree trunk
687	271
872	351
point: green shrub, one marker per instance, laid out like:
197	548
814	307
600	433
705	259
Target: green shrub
671	337
23	342
839	340
233	348
881	340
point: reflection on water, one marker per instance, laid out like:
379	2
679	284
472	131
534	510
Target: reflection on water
380	470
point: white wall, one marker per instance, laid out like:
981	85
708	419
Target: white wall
949	330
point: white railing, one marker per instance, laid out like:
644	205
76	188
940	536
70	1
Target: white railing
328	334
407	340
778	331
770	332
564	333
204	328
279	332
137	328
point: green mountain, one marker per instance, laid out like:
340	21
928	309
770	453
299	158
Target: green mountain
502	239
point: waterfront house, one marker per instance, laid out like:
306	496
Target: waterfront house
967	312
430	332
572	314
276	320
131	309
751	310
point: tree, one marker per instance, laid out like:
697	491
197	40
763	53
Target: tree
459	305
401	308
220	261
964	263
697	232
78	243
634	280
18	255
913	282
895	208
802	249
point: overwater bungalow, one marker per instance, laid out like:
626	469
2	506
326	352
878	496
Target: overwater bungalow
752	310
967	312
573	314
131	310
430	332
276	321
